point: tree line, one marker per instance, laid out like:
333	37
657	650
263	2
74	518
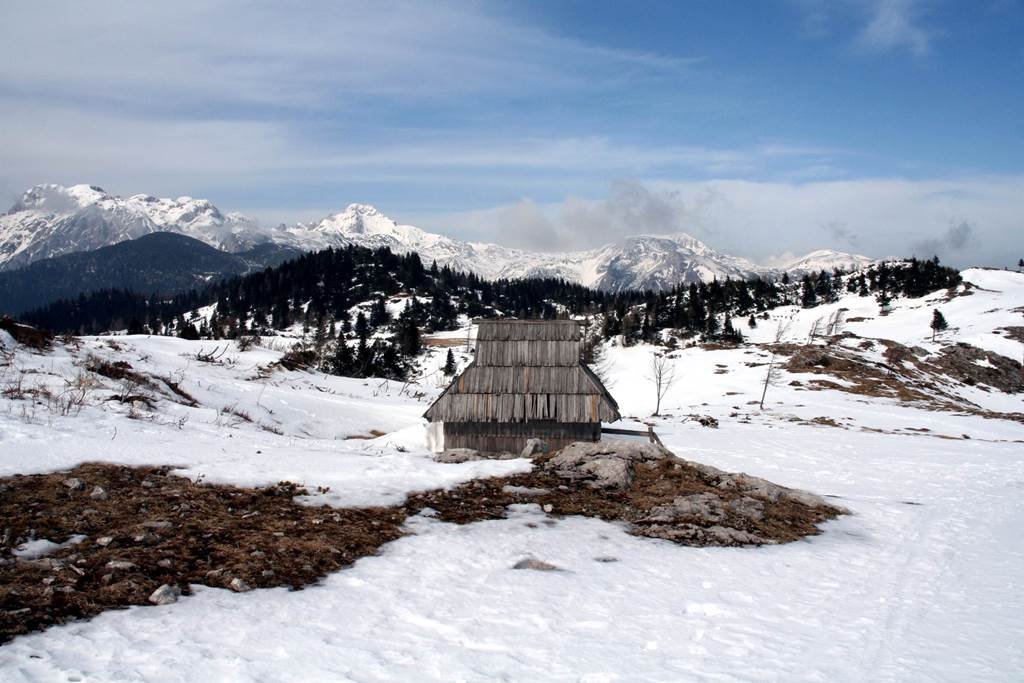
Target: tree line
362	312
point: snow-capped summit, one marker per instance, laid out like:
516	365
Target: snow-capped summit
659	262
828	260
56	198
50	220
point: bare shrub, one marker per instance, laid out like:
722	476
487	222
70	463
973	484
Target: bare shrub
245	343
213	356
663	376
772	377
173	383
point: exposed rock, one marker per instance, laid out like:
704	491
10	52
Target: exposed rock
98	493
524	490
747	507
606	558
239	586
531	563
165	563
457	455
74	484
160	524
146	538
104	541
607	465
971	365
165	595
706	507
705	421
533	447
121	565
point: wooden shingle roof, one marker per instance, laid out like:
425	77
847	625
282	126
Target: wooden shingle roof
523	371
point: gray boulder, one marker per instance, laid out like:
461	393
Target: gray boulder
532	563
604	465
239	586
165	595
703	507
457	455
533	447
121	565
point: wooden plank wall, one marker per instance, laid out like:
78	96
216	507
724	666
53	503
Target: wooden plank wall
497	437
563	408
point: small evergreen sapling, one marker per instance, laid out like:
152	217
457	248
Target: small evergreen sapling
449	364
938	323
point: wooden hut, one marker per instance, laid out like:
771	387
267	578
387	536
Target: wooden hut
526	381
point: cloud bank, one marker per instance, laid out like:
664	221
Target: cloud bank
966	221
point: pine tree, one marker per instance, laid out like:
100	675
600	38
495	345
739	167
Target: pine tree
938	323
362	327
727	329
884	302
752	322
408	336
379	313
711	326
449	364
391	363
808	297
342	362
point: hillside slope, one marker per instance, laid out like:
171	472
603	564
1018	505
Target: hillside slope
156	263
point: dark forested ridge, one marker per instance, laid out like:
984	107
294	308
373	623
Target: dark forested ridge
344	294
160	263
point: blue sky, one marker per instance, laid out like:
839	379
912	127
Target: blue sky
882	126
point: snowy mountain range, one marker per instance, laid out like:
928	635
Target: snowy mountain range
51	220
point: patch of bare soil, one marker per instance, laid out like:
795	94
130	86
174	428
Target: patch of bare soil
146	528
25	334
861	376
662	497
908	374
971	365
1014	332
148	534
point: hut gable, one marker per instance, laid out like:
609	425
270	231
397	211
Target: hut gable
526	371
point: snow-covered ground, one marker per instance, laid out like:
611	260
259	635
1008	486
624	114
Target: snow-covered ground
923	581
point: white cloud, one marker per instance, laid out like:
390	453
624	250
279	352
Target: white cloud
880	26
894	25
967	221
166	56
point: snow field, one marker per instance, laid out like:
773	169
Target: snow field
921	582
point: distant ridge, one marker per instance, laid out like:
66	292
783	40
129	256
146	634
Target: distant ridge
52	220
157	263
